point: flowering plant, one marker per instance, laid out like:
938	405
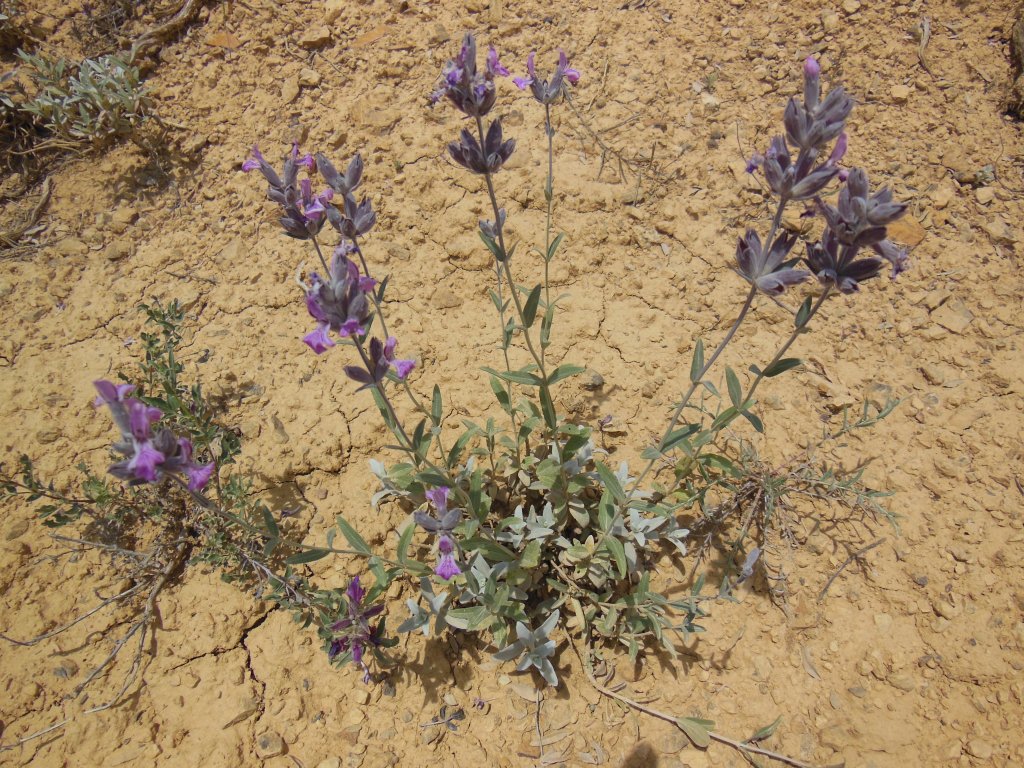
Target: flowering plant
528	529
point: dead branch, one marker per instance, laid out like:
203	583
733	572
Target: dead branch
141	627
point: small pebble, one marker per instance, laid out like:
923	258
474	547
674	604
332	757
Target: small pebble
980	749
984	195
900	93
269	744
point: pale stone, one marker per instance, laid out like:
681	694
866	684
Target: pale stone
269	744
309	78
900	93
72	246
315	37
980	749
984	195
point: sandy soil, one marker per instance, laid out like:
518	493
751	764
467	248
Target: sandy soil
914	659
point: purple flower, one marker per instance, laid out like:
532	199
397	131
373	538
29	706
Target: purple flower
199	476
495	152
898	257
256	162
550	91
766	270
795	181
354	634
148	457
381	358
837	265
447	568
493	65
303	212
339	303
439	498
355	592
446	520
860	218
756	161
470	90
318	339
111	393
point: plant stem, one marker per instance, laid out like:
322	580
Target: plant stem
323	261
742	746
549	194
397	430
545	391
504	346
699	377
778	356
789	342
416	402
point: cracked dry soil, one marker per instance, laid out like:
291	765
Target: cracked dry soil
914	657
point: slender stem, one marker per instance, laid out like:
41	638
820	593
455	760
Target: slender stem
778	356
772	231
323	261
549	194
416	402
397	430
500	229
742	746
696	383
539	359
776	221
373	294
789	342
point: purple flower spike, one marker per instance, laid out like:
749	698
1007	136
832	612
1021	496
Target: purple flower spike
766	269
489	158
148	457
302	211
471	91
354	633
550	91
340	303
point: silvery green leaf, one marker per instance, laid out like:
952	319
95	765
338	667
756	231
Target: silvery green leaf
509	652
547	671
549	624
418	619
